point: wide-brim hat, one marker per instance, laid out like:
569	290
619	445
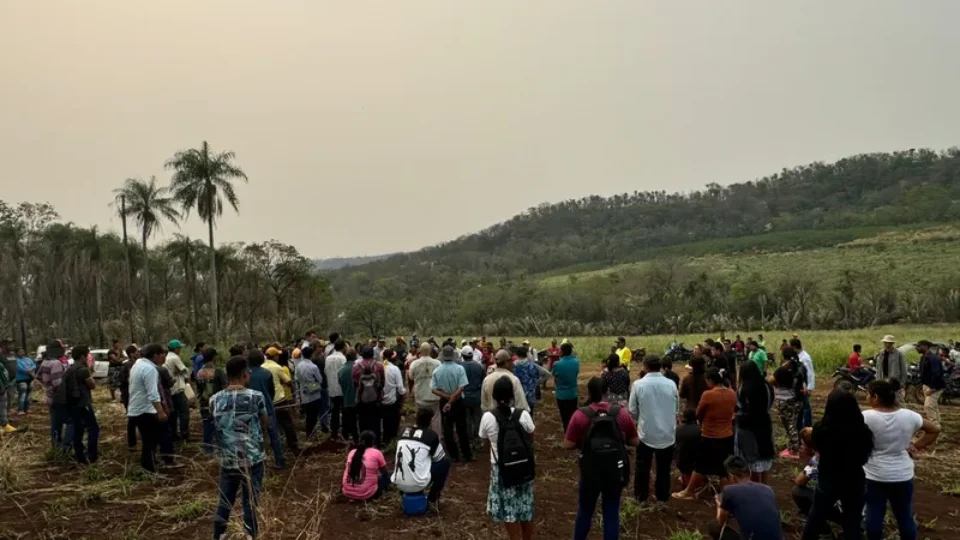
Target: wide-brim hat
888	339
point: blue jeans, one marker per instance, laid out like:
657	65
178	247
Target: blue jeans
84	420
23	396
805	419
274	434
900	495
60	417
439	470
587	504
249	482
166	441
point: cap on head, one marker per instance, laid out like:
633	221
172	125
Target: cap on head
273	352
467	352
174	344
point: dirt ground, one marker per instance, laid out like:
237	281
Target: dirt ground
49	499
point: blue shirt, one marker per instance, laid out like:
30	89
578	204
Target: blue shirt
24	367
261	380
565	372
144	388
237	431
448	377
197	364
654	402
475	374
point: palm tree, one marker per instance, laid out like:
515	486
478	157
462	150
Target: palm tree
202	179
149	206
120	202
90	252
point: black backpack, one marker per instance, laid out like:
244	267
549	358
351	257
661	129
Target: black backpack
515	461
369	391
603	455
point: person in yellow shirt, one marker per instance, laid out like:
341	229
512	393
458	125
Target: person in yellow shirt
282	385
624	353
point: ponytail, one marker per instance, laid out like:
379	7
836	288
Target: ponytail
367	440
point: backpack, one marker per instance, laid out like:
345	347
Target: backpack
369	391
515	461
603	455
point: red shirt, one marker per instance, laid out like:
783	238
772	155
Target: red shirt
854	361
553	355
580	424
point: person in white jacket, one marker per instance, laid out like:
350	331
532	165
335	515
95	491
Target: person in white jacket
806	416
331	372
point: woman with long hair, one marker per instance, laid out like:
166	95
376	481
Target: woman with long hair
715	413
365	476
889	470
512	506
790	382
618	381
844	444
695	383
754	433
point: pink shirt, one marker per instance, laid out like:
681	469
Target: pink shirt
372	462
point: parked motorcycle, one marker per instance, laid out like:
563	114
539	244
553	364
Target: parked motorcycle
859	379
678	353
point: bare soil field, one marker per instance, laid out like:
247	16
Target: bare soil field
47	498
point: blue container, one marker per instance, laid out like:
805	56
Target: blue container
414	504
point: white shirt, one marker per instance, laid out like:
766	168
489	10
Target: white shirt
331	369
417	450
892	435
392	384
808	363
654	402
490	429
175	367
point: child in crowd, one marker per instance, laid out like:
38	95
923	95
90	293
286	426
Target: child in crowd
688	437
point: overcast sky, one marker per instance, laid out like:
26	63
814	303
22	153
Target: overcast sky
371	127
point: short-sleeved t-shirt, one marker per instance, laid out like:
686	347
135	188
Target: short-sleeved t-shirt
448	377
280	379
754	506
417	450
373	461
715	412
75	386
490	429
892	434
759	357
236	420
565	374
580	424
421	373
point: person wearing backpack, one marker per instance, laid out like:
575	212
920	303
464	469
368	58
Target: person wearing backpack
601	432
654	404
512	471
368	380
448	383
349	390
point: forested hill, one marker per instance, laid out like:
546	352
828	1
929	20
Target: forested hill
880	189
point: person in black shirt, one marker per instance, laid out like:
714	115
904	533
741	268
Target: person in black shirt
688	439
77	384
666	364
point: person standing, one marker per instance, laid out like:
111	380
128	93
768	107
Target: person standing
51	377
77	384
754	430
393	393
890	363
261	380
654	404
332	362
310	388
197	359
758	356
608	426
283	397
8	394
513	505
695	383
618	381
448	383
181	405
889	470
789	382
553	354
530	374
240	417
210	380
625	354
931	376
421	374
806	414
368	378
502	361
566	372
715	413
350	432
844	444
145	408
133	354
26	372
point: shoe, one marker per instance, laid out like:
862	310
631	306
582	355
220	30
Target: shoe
786	454
10	429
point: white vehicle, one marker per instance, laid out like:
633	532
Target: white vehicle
100	364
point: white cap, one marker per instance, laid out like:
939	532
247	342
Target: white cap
466	352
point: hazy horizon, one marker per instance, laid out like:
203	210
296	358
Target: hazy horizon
375	127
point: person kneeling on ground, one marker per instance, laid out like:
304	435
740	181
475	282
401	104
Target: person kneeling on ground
688	441
366	474
753	505
421	462
239	417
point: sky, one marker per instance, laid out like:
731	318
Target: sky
371	127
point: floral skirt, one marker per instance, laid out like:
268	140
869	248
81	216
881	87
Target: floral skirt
113	376
510	505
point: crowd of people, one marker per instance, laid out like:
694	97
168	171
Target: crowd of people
711	422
